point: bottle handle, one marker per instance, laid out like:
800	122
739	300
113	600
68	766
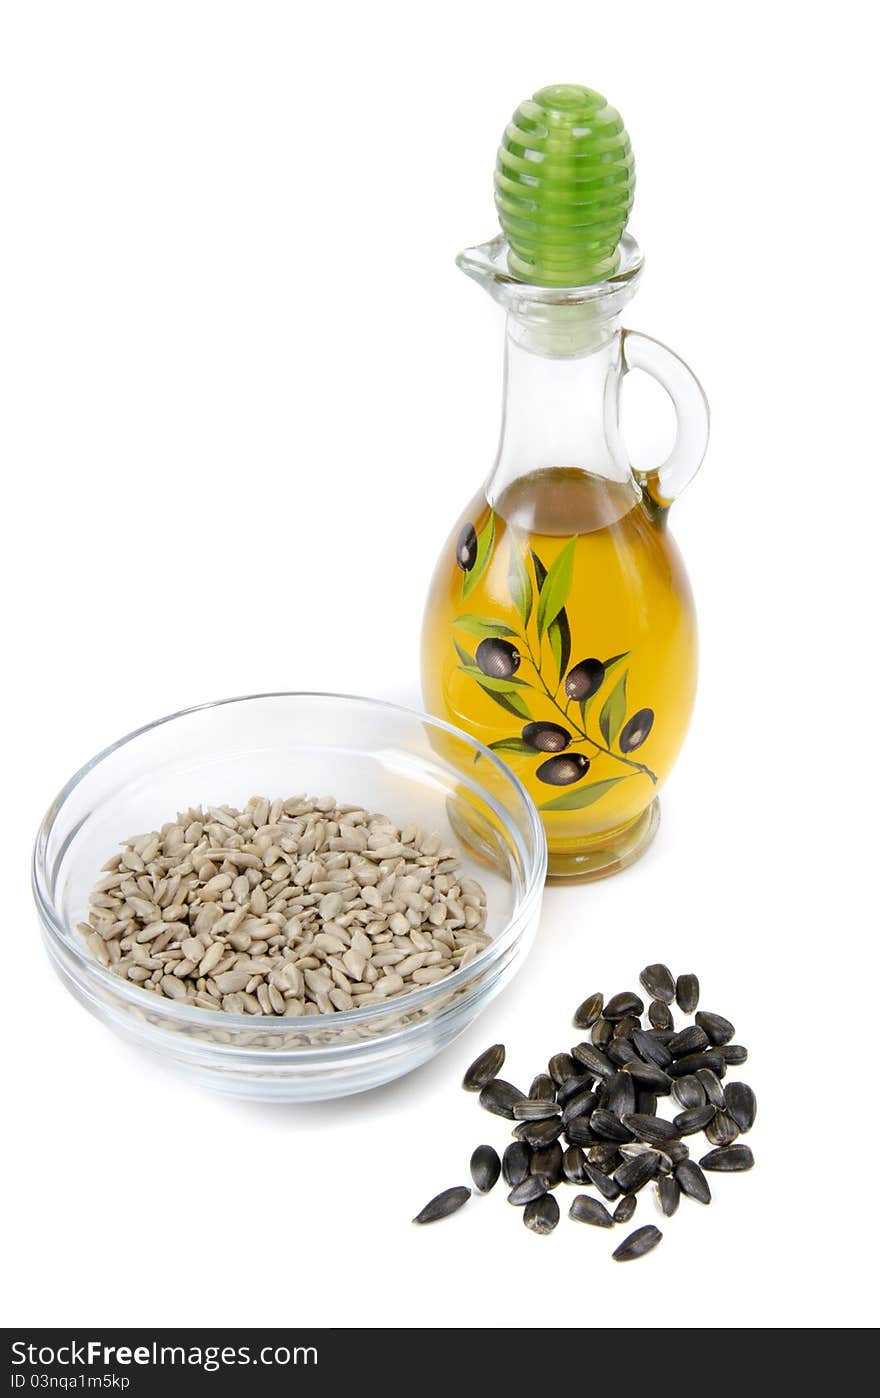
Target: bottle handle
665	483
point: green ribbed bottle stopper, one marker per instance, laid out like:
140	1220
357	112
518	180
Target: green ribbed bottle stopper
564	182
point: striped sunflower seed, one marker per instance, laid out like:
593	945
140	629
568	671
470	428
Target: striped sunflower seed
442	1205
593	1059
656	1130
622	1095
717	1029
605	1155
693	1182
637	1244
588	1011
541	1215
500	1097
668	1192
586	1210
625	1209
580	1133
624	1003
675	1152
485	1168
607	1127
711	1086
634	1174
689	1092
660	1015
693	1119
741	1104
649	1075
484	1068
625	1027
606	1184
722	1130
690	1040
539	1134
687	993
732	1159
515	1163
658	982
602	1033
548	1162
621	1051
574	1164
581	1105
561	1067
693	1062
532	1187
572	1087
651	1049
535	1109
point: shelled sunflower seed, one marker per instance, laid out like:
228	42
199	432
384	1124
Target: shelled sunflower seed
591	1120
296	907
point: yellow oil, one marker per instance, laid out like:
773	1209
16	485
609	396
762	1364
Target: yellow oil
597	763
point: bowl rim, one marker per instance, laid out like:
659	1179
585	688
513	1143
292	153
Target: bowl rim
195	1016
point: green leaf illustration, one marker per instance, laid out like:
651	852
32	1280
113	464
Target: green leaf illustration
512	702
519	583
614	662
540	576
540	570
513	745
556	587
581	796
490	682
586	705
485	540
483	625
462	653
559	636
614	711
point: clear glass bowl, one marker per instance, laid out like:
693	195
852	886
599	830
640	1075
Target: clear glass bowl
389	759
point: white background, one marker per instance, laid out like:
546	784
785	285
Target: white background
238	363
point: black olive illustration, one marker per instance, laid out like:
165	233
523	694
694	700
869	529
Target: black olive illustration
466	548
498	659
562	771
636	730
584	679
546	737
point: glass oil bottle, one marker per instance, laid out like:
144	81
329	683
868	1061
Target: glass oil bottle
560	627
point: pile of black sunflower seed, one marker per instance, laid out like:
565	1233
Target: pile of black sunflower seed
591	1119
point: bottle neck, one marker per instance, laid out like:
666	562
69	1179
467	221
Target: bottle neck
561	402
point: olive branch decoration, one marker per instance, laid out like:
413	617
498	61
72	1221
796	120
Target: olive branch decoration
571	691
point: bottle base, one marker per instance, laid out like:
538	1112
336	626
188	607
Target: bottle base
607	856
